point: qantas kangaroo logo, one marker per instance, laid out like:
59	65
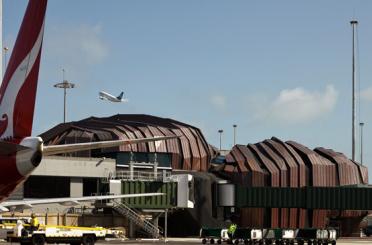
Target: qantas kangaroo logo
10	107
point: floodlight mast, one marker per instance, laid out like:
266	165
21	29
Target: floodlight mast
65	85
353	23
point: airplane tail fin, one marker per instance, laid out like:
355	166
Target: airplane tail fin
120	96
18	90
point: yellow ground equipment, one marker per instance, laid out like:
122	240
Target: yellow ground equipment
73	235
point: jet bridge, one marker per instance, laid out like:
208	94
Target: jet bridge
353	197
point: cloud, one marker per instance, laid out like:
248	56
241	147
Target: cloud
293	106
77	44
218	101
366	94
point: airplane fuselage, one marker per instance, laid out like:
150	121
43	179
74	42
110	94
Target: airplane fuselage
106	96
10	178
19	153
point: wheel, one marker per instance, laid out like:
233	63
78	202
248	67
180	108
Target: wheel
204	241
211	241
246	242
88	240
309	243
236	242
277	242
24	232
38	240
219	241
333	242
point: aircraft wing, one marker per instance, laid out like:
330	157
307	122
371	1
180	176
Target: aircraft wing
60	149
66	201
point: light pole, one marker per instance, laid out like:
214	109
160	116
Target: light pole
220	132
353	23
234	126
361	124
65	85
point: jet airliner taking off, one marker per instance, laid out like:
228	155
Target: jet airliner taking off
106	96
20	153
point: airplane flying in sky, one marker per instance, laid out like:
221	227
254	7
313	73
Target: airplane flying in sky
106	96
20	153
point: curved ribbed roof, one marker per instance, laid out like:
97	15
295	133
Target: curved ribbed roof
273	162
189	152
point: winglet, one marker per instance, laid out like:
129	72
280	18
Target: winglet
120	96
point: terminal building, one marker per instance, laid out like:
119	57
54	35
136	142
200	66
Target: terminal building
154	166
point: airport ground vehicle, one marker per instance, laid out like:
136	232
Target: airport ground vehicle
247	236
277	236
316	236
8	224
271	236
213	235
55	234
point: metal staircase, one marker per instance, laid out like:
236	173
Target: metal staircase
132	215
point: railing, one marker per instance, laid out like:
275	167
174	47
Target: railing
140	175
132	215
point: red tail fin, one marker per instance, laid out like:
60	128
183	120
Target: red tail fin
18	90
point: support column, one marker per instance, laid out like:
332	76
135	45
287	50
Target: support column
166	225
131	229
131	170
76	187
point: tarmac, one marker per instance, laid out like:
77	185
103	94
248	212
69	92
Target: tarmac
183	241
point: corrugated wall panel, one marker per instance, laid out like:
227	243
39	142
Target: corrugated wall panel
292	175
319	177
274	178
161	146
168	200
303	178
195	161
281	166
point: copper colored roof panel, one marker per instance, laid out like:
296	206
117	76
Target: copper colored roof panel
277	163
190	152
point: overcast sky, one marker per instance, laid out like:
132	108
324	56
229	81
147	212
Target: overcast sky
274	68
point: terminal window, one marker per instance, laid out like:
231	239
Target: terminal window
46	187
163	159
